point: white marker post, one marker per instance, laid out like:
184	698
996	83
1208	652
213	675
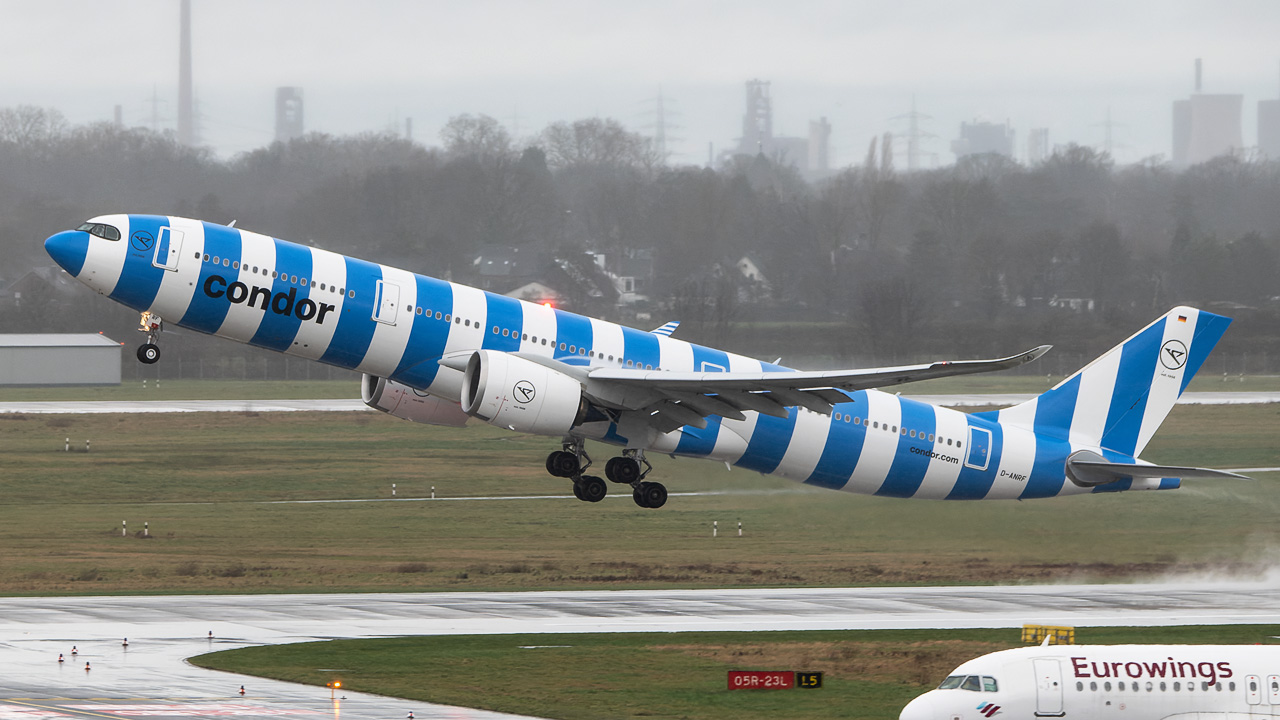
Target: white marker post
68	447
739	528
124	529
393	489
715	528
433	492
86	446
146	529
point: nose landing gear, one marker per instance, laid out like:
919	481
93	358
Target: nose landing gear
152	325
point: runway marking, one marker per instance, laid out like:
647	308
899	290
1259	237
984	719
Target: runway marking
47	711
194	710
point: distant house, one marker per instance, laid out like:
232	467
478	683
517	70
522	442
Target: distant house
504	269
1074	304
536	292
41	285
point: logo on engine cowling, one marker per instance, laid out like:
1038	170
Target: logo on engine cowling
524	391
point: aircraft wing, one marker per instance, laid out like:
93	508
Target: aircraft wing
673	399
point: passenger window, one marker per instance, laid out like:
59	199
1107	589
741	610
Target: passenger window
437	315
206	257
1093	686
1106	686
857	421
1079	687
235	265
895	429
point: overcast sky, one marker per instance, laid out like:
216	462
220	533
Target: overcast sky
368	65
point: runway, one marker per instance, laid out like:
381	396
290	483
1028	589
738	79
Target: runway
149	678
355	405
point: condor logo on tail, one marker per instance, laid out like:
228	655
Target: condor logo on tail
281	303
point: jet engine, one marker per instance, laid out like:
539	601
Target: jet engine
514	393
406	403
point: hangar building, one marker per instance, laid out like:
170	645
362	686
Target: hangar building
59	359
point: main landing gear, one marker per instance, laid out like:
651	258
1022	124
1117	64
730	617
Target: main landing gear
149	352
628	469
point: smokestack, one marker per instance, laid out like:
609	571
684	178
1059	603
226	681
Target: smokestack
186	109
1197	73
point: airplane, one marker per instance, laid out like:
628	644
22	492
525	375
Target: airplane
1149	682
441	353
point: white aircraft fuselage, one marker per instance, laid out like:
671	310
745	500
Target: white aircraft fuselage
1103	682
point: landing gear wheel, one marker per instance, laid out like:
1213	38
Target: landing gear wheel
148	353
590	488
623	470
562	464
650	495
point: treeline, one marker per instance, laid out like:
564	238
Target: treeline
875	262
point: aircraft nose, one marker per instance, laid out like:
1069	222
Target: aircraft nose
68	249
922	708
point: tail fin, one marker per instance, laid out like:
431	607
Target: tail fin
1117	401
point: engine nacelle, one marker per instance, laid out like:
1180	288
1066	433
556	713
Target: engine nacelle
520	395
407	403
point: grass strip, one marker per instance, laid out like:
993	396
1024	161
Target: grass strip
869	674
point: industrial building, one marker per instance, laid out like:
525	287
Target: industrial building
1206	126
59	359
289	113
1269	129
810	155
981	137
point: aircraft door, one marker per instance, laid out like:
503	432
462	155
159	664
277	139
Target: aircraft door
1253	689
1048	687
979	448
386	302
168	248
1273	689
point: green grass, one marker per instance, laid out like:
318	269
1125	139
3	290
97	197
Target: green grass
201	481
867	674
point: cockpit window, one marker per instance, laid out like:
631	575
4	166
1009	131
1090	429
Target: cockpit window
102	230
984	683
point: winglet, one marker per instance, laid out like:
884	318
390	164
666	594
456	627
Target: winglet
666	329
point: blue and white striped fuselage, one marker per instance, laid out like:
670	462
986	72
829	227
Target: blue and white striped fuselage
392	323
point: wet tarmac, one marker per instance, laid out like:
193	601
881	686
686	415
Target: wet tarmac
148	678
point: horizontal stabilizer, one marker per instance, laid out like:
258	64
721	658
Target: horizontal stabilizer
1089	469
